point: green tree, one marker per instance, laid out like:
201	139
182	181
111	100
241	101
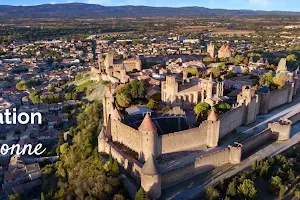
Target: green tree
211	193
15	197
247	189
202	108
231	189
282	190
152	104
222	107
141	195
115	168
42	196
123	100
68	96
266	79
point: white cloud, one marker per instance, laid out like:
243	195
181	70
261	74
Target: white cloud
260	2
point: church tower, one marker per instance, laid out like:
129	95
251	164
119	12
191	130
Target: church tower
211	50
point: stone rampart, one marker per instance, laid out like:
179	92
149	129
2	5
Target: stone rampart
127	136
231	120
183	140
256	140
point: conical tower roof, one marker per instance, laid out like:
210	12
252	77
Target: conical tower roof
102	134
150	167
212	116
147	124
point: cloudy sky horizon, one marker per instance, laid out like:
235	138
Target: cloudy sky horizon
283	5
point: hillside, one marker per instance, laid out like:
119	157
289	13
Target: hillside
92	10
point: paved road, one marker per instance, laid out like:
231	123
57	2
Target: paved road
194	187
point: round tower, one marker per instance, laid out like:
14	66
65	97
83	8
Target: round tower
151	178
213	129
101	140
149	138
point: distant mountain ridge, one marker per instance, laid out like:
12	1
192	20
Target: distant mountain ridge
94	10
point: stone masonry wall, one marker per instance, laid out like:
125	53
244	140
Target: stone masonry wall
278	97
202	164
131	165
183	140
231	120
128	136
256	140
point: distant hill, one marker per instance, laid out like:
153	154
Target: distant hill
92	10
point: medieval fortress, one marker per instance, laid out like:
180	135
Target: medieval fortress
148	141
108	70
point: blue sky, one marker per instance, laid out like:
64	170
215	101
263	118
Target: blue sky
286	5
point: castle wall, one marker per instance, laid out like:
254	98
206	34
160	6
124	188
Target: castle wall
183	140
256	140
278	98
231	120
214	159
128	136
295	118
132	166
202	164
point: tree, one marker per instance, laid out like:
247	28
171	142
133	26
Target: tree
247	189
152	104
212	193
141	195
22	85
15	197
64	148
35	97
119	197
123	100
280	79
42	196
266	79
291	57
216	72
282	190
202	108
115	168
68	96
231	189
222	107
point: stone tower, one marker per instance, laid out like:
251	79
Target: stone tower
184	76
282	66
210	85
169	90
109	60
249	99
107	101
115	120
101	140
211	50
213	129
149	138
151	178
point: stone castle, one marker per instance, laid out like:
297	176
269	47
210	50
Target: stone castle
116	72
191	91
153	136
